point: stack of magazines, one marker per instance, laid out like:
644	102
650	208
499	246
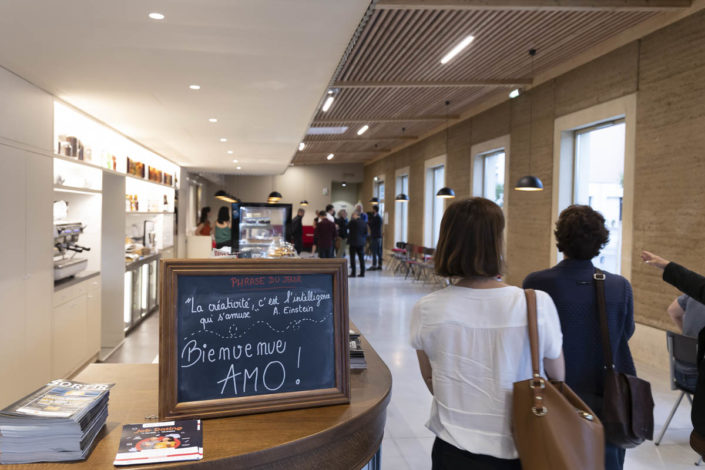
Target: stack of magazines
58	422
357	355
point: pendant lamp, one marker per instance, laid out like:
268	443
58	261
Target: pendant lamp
401	197
374	200
446	192
530	182
223	196
303	203
273	197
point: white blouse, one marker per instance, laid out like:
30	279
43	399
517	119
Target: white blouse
478	344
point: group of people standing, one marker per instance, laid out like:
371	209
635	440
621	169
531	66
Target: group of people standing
332	233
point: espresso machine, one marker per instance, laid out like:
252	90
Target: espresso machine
66	246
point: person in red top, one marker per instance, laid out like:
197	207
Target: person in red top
325	233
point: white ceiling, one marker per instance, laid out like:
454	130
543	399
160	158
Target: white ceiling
263	67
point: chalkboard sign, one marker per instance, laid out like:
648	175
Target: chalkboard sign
248	336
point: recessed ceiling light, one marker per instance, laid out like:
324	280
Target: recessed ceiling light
195	87
363	129
234	161
514	93
238	168
156	16
212	120
327	103
301	146
330	156
456	50
344	184
223	139
230	152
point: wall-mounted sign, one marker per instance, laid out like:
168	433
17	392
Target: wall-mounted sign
250	336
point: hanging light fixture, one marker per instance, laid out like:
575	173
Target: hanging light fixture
401	197
530	182
303	203
374	200
446	192
223	196
274	196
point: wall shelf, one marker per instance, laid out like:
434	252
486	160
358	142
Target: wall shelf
109	170
149	212
76	189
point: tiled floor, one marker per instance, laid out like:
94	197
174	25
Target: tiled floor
380	305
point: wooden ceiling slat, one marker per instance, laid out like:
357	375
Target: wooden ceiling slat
405	46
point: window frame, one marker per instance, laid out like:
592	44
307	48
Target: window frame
401	209
565	128
429	199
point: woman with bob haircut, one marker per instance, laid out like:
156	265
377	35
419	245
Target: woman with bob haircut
472	342
580	235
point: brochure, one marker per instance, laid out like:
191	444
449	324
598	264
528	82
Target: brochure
170	441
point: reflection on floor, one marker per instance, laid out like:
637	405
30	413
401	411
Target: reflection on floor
380	305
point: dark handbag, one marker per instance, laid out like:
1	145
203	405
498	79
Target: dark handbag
552	427
628	406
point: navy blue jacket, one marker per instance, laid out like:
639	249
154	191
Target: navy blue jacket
357	232
571	286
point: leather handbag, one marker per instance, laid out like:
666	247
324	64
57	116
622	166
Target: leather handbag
628	406
553	428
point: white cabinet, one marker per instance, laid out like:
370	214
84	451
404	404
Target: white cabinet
76	327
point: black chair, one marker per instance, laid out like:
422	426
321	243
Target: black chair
683	364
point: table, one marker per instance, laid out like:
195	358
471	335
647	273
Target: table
340	436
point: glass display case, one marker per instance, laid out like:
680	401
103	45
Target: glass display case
257	225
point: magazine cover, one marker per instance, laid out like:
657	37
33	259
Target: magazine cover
59	399
170	441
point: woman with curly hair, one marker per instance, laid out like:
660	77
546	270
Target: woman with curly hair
580	235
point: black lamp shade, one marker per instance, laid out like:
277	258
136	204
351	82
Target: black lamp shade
223	196
304	203
401	197
274	196
529	183
446	193
375	200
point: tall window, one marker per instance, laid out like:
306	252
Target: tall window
379	194
401	211
491	166
435	180
598	181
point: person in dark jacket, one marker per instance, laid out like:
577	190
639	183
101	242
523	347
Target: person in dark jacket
357	236
325	234
342	223
683	279
692	284
375	223
297	231
580	235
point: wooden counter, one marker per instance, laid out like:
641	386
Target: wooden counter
339	437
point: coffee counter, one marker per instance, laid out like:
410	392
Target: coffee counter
340	436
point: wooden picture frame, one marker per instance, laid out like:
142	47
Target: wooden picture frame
172	269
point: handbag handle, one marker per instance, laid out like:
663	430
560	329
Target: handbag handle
533	330
537	383
599	278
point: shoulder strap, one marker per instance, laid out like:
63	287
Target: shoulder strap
533	330
599	277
